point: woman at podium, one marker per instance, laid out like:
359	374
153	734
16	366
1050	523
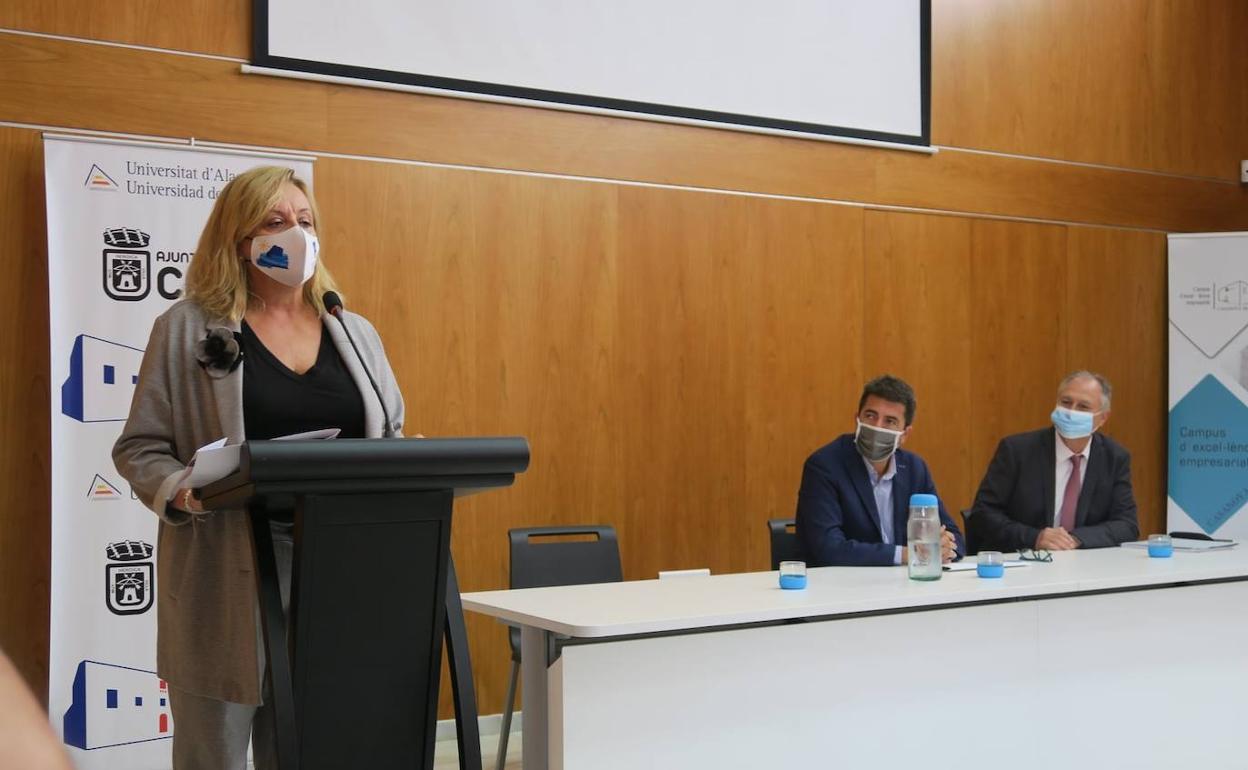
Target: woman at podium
251	352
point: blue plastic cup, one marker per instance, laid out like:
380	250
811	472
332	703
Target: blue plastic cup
991	564
792	575
1160	546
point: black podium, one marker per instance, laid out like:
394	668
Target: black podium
372	594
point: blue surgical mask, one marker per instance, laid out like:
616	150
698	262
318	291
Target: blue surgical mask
1072	424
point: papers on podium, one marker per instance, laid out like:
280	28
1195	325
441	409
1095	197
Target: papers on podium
213	462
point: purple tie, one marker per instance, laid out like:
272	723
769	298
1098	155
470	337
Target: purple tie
1070	500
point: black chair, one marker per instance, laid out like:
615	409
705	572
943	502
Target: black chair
784	545
972	545
540	557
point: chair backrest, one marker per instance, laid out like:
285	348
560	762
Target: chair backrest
972	544
539	558
784	545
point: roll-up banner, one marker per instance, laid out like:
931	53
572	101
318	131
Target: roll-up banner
1208	467
123	221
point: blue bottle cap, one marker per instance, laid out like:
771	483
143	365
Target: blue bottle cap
923	500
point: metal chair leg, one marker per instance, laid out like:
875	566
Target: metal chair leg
504	731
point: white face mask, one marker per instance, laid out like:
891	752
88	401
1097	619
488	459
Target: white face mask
288	257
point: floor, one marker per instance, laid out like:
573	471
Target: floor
446	753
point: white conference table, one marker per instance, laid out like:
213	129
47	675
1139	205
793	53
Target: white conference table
1104	658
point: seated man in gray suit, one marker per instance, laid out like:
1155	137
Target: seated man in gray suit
1059	488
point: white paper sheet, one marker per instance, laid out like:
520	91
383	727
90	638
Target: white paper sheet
213	462
969	564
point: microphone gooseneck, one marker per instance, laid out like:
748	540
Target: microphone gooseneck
333	304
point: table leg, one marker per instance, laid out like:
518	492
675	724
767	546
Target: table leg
534	646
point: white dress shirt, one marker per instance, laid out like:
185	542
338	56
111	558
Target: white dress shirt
1063	468
882	489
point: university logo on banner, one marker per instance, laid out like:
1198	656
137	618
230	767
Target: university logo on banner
123	221
98	179
103	489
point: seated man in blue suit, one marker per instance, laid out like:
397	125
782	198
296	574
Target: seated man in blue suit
855	496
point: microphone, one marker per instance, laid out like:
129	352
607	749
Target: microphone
333	303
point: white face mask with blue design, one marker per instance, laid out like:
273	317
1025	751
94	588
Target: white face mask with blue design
1072	424
288	257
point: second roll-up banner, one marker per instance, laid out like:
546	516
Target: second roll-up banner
1208	452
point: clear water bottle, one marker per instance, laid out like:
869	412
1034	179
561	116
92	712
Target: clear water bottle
923	537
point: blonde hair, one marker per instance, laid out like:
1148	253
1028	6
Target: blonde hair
217	277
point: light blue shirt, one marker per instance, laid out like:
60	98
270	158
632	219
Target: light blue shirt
882	488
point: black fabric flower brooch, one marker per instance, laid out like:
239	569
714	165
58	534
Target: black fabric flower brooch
220	352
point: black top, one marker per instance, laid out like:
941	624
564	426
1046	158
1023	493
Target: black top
278	402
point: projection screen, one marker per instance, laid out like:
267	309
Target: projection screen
828	68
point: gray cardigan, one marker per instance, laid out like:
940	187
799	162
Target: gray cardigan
207	632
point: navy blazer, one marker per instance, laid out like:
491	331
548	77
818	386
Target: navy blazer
1016	498
837	522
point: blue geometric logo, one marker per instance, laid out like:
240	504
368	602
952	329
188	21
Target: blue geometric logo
116	706
102	376
1208	475
274	257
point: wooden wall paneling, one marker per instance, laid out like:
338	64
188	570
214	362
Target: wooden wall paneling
454	131
201	26
802	364
679	366
917	326
545	312
79	85
1116	319
1012	187
1147	84
543	306
400	240
1018	347
25	402
1201	82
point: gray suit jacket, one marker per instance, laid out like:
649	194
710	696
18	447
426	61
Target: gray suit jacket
207	633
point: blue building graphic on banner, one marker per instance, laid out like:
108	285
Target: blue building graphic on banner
102	376
116	705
